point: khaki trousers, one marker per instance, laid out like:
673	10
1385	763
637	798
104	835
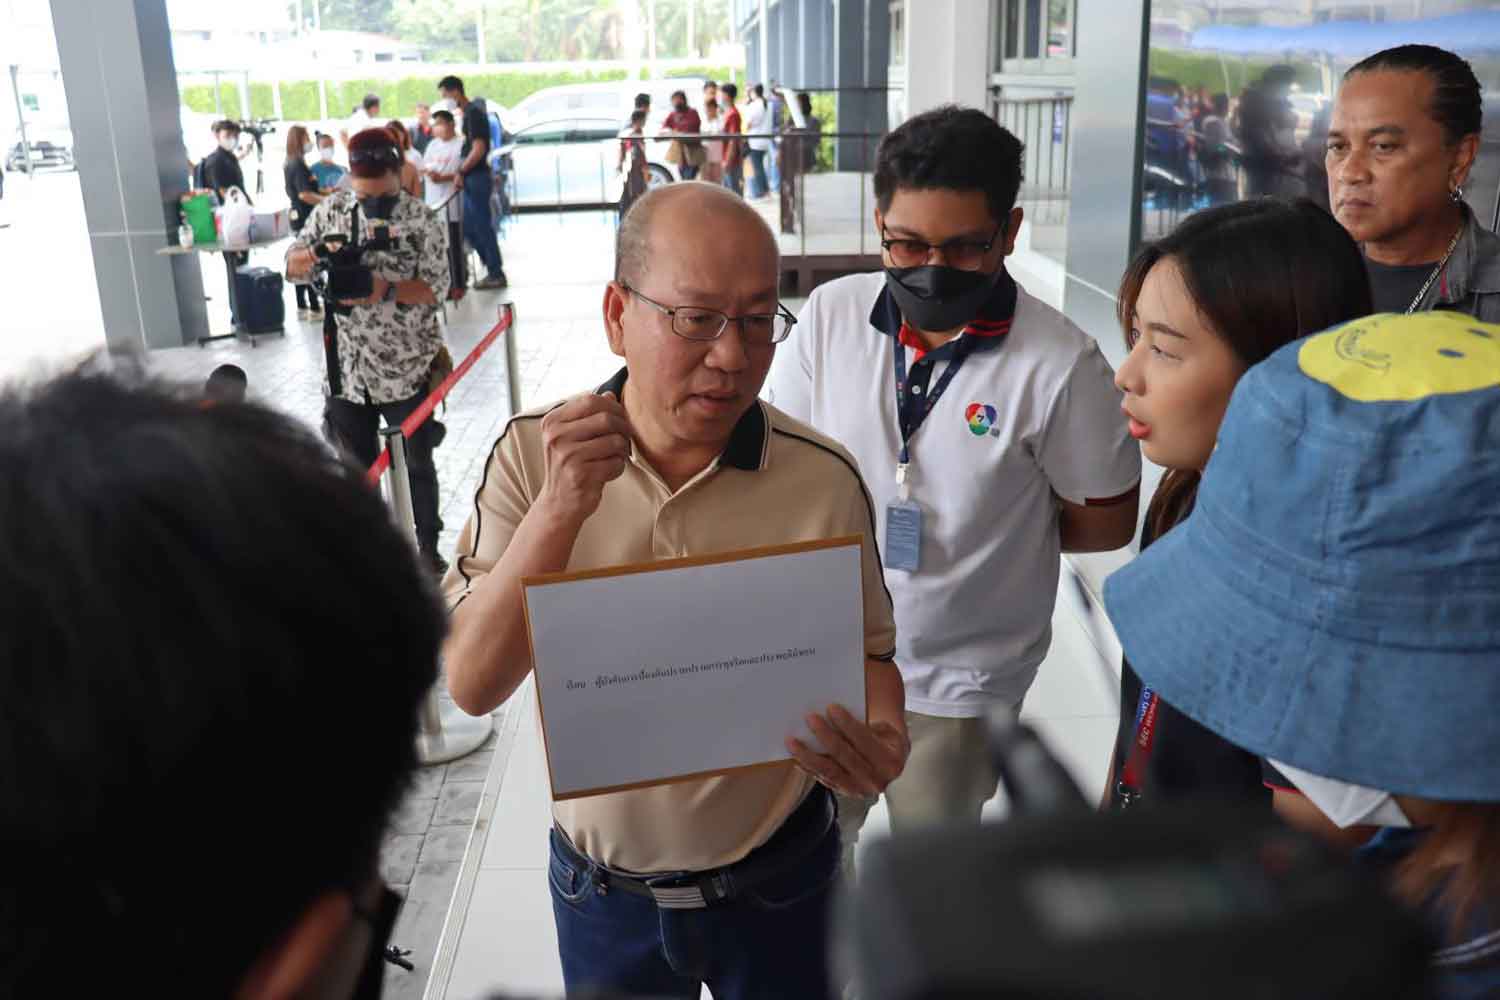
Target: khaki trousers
948	779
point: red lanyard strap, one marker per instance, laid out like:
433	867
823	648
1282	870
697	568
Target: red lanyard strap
1142	743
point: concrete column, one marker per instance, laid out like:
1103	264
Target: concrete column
764	31
861	54
812	65
123	103
947	54
1108	149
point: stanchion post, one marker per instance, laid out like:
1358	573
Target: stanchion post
441	736
512	364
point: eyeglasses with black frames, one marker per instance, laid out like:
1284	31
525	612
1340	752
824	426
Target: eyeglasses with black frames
700	324
965	255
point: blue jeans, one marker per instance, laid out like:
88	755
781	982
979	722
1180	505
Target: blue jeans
734	178
769	943
479	225
758	186
773	167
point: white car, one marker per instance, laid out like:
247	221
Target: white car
614	101
50	143
572	162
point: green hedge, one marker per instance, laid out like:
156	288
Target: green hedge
299	98
826	107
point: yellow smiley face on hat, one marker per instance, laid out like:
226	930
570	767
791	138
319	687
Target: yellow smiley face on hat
1390	358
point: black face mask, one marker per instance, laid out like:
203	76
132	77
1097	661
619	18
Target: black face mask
379	206
679	107
937	298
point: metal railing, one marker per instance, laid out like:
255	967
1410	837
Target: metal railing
1045	126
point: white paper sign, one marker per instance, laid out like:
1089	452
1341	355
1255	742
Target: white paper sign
655	674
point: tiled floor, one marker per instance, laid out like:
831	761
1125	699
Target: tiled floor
500	935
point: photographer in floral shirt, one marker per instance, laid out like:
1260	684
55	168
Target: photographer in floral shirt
387	342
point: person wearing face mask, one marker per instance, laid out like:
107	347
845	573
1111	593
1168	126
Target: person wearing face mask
990	431
685	121
249	659
1333	605
302	192
327	172
386	343
440	165
1401	143
1199	307
220	172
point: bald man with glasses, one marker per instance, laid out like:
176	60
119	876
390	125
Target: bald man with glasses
723	881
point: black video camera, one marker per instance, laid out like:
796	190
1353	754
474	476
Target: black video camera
1061	902
341	272
257	127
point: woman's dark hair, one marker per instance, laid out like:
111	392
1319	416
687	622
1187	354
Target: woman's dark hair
1458	862
296	140
397	128
1262	274
729	90
1456	103
962	149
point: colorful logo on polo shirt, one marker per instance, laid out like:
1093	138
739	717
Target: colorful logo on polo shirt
981	419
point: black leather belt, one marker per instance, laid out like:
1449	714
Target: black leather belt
803	831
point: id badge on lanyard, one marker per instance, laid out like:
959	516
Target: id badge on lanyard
903	516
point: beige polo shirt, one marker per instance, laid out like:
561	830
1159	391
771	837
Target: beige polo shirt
776	482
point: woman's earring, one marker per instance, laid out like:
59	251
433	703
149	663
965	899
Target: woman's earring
1457	194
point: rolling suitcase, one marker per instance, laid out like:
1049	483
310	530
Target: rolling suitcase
259	302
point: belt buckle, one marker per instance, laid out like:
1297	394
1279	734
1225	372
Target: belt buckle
678	897
1127	796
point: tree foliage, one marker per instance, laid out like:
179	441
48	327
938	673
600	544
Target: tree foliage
527	30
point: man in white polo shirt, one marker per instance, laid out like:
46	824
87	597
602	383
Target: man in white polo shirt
1007	447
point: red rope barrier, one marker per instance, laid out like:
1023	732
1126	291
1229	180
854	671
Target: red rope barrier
420	415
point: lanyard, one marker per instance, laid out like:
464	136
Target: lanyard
909	419
1143	742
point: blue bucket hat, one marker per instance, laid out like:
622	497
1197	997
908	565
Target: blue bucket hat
1333	601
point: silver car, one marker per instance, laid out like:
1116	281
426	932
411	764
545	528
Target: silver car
572	162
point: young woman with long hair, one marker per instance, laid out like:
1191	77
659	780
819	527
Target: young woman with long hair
1199	307
411	163
302	191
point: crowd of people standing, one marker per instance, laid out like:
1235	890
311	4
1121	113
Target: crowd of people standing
1311	629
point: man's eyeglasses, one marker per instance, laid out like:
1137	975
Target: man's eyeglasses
965	255
695	323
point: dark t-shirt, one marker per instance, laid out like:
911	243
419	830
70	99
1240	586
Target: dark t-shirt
221	171
1395	286
476	126
299	179
1187	761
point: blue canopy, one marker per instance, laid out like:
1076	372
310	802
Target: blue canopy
1468	32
